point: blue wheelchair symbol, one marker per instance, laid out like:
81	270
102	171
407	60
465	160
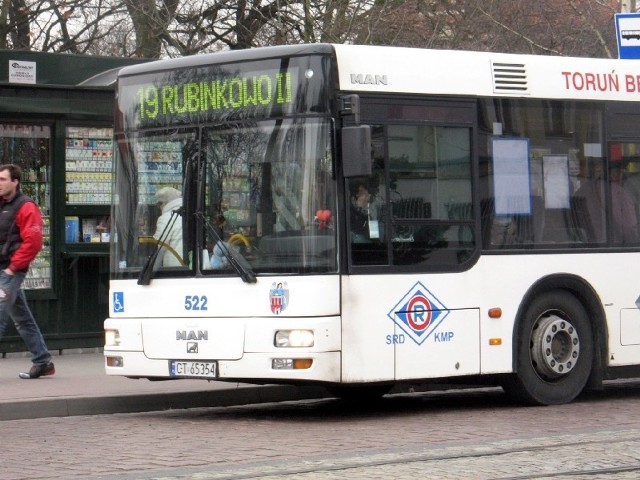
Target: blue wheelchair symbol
118	301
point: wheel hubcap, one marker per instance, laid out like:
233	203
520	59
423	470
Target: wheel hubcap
555	346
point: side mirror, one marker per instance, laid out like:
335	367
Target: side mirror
356	151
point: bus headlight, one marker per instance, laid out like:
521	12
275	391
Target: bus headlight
294	338
111	338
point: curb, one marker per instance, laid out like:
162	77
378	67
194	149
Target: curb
75	406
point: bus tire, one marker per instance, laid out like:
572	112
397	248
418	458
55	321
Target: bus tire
555	351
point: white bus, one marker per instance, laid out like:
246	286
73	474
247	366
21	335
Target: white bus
361	217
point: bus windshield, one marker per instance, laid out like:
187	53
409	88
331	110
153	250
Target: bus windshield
260	192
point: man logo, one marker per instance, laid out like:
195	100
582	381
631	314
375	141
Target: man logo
192	347
192	335
369	79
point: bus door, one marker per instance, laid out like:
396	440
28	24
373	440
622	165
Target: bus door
624	229
412	227
621	170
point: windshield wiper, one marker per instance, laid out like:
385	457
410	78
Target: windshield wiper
237	261
147	271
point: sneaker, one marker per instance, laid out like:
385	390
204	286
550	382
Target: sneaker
39	371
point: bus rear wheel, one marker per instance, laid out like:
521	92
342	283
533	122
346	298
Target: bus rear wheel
554	351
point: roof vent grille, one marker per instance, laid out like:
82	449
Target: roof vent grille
509	77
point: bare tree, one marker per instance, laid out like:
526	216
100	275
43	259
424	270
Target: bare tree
73	26
236	25
161	28
151	20
559	27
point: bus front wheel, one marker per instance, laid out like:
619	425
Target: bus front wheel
554	351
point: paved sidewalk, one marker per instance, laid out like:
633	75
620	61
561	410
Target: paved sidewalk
80	387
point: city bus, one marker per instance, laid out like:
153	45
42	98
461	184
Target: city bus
367	217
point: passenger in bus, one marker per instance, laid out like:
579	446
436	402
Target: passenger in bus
623	209
219	254
589	200
169	225
364	216
360	210
632	183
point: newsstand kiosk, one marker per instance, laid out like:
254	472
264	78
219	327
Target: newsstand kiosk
56	122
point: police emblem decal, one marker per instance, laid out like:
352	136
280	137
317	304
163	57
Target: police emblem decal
418	313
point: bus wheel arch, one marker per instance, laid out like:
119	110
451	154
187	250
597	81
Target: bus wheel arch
559	343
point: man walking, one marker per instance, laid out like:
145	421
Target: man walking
20	242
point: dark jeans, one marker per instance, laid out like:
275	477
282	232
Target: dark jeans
13	305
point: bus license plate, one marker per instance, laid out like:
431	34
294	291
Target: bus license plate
182	368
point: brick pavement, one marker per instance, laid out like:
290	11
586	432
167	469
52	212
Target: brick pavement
584	456
429	435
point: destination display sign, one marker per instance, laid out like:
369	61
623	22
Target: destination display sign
209	95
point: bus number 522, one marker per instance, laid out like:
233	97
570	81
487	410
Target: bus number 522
195	302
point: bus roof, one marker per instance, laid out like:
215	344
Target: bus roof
486	74
364	68
228	56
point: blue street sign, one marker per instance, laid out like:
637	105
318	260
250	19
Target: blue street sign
628	34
